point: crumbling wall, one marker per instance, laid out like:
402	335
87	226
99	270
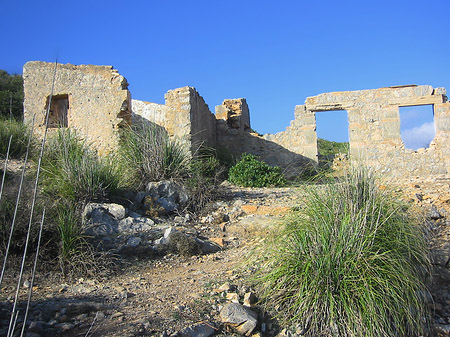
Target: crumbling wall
235	135
185	116
235	113
143	112
374	128
96	100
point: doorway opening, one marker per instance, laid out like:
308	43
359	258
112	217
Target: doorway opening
332	136
417	128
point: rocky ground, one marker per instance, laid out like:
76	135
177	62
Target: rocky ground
163	295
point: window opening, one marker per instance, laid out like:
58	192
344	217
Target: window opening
332	135
417	127
58	111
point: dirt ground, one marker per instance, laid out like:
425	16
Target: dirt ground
161	296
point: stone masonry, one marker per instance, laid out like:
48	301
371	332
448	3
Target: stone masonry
185	116
374	128
93	100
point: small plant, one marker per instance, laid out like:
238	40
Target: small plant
183	244
6	215
70	170
69	230
148	154
205	173
19	141
76	255
350	262
250	172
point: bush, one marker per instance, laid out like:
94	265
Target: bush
250	172
349	263
148	154
70	170
19	141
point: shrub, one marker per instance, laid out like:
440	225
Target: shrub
148	154
70	170
351	262
250	172
19	141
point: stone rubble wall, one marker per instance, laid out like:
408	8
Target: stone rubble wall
235	135
189	118
235	112
99	101
185	116
147	111
374	128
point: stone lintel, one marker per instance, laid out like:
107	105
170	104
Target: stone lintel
331	107
411	101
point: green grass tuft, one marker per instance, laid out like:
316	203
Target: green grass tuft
70	170
350	262
148	154
19	141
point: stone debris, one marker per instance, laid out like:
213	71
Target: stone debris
243	319
168	195
233	297
198	330
249	299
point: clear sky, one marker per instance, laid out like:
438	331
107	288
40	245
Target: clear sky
274	53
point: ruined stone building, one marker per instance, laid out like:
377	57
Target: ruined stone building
95	101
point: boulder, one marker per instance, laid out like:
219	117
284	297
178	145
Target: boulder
243	319
167	194
101	212
135	224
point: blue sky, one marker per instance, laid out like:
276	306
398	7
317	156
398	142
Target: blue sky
274	53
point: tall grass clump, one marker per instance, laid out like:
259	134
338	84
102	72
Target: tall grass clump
148	154
72	171
349	262
205	174
19	141
76	256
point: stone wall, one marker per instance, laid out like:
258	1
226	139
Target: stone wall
235	135
185	116
235	112
93	100
374	128
148	112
